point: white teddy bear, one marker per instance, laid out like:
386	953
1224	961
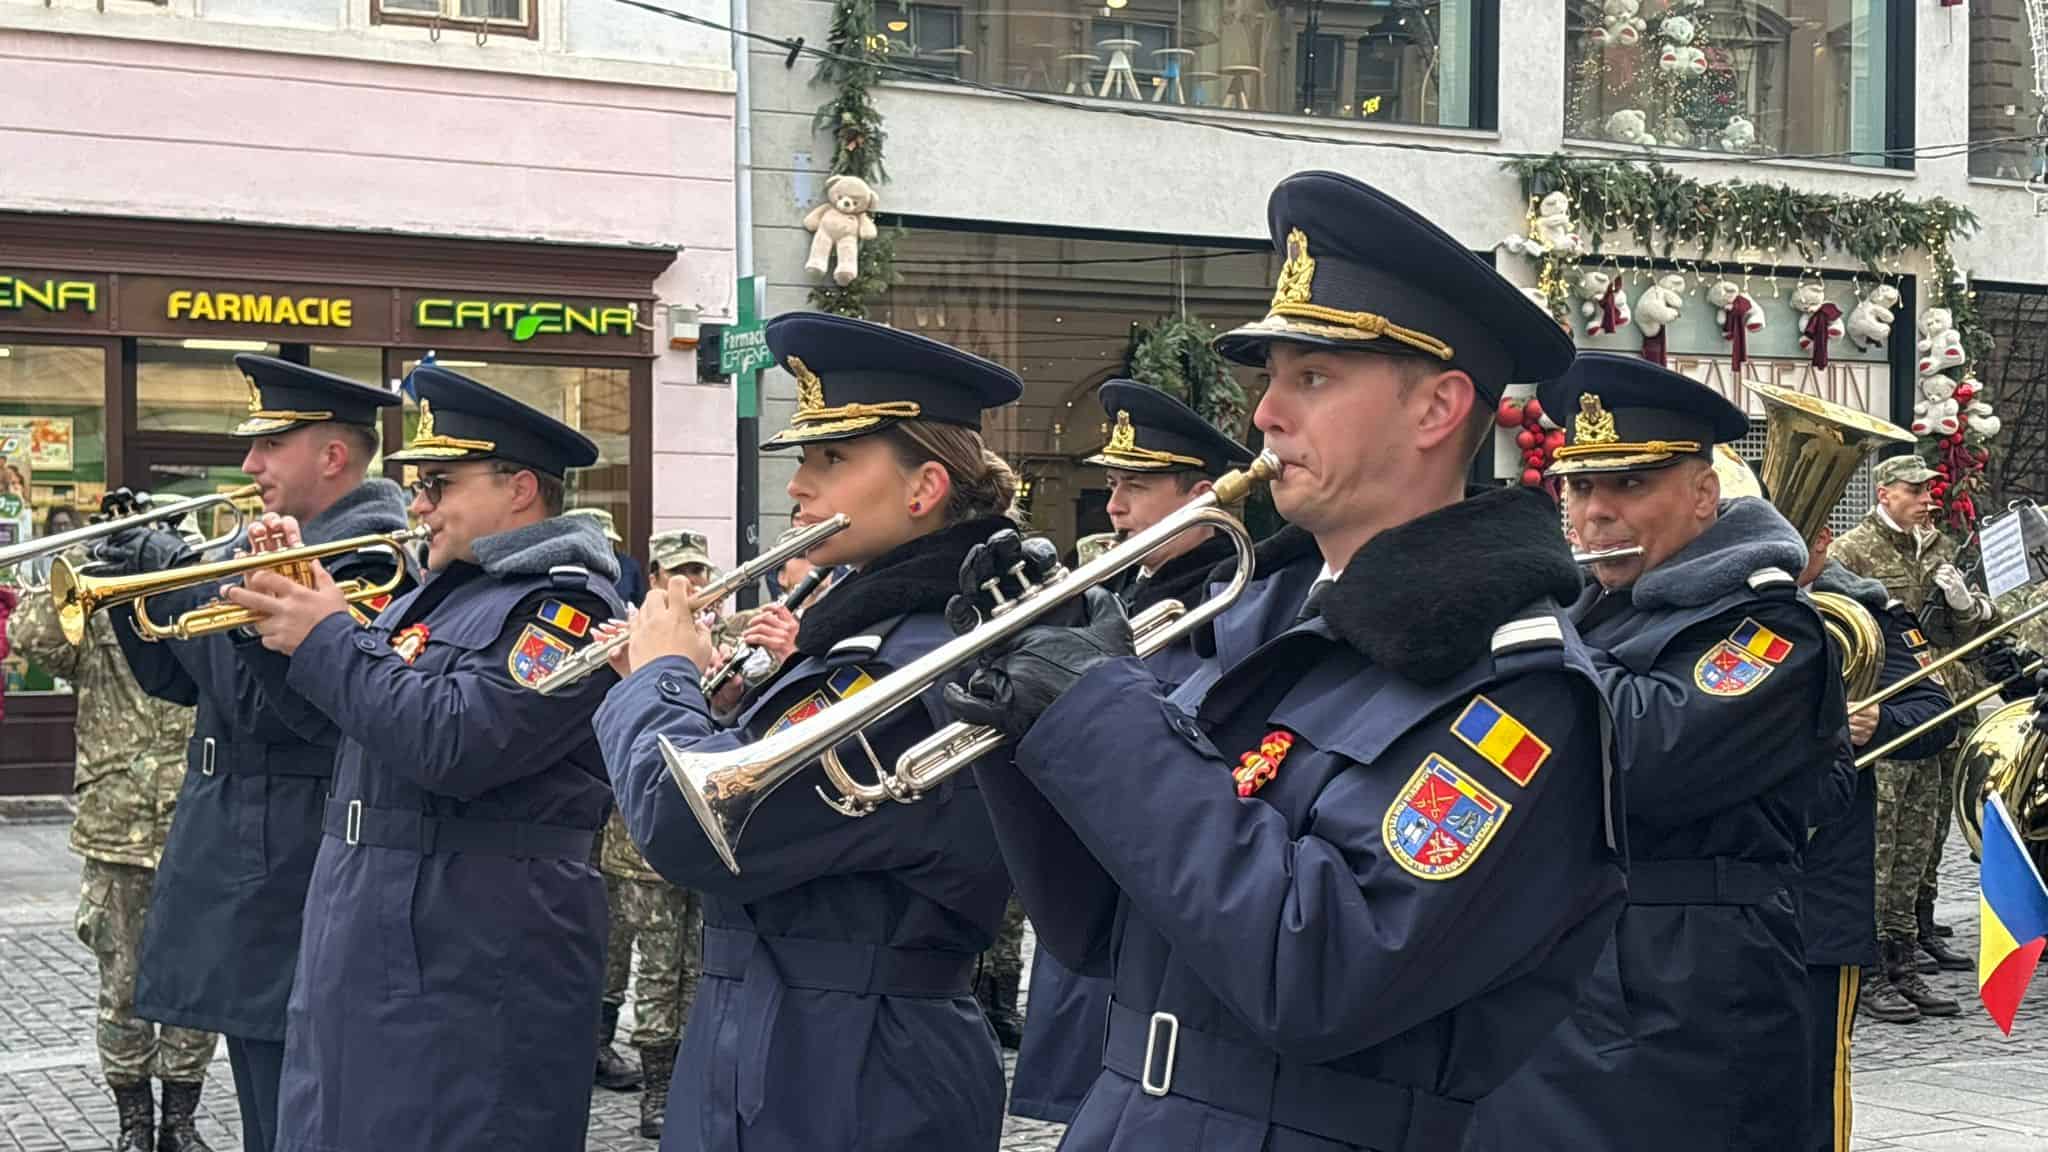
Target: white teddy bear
1682	59
1723	294
1810	297
1660	303
1940	346
1982	422
1630	126
1738	135
1553	232
1676	30
1620	23
1870	321
1592	289
839	226
1936	412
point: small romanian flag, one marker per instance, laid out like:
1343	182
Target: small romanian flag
562	616
1762	642
1501	739
2012	909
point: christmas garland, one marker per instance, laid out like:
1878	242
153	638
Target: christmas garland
856	127
1773	226
1175	357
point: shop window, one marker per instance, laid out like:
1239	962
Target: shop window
1413	62
194	386
512	17
53	460
2002	86
1791	77
1065	313
595	401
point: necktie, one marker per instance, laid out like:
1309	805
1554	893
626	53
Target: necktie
1313	606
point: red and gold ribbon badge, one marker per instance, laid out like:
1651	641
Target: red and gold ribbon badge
1261	764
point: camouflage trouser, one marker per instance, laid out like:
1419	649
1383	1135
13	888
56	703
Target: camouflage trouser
667	923
1909	800
1945	809
1004	961
112	901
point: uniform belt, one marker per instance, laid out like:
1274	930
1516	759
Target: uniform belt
842	965
1718	880
353	822
1167	1059
212	756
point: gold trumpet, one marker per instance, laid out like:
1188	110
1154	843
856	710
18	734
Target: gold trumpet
169	513
77	596
724	789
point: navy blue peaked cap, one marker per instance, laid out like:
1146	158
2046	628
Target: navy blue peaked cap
284	395
1624	414
854	378
465	419
1153	432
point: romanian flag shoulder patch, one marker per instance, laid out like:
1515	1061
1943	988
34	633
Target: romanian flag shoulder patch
1761	642
561	616
1504	742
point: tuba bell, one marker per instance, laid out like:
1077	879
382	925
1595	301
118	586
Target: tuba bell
2004	754
1812	449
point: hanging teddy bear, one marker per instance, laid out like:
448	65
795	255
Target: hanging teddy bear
1940	345
1738	135
1937	412
1738	315
1870	321
1977	414
1656	308
1601	302
1822	320
1679	55
838	227
1550	231
1630	126
1620	23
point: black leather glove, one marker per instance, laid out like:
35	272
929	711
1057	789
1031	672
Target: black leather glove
1002	567
144	549
2006	661
1013	685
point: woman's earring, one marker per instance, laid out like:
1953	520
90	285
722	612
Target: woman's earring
916	506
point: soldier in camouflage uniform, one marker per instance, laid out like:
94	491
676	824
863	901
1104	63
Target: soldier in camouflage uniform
1002	969
1896	545
666	922
131	762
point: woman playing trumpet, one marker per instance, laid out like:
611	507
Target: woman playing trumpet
835	1007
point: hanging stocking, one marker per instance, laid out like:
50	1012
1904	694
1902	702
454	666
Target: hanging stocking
1822	324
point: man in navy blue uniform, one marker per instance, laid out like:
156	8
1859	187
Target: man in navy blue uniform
1838	897
453	957
1160	455
222	936
1350	872
1727	706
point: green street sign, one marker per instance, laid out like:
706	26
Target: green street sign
744	346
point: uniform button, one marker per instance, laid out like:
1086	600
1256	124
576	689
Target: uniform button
669	685
366	643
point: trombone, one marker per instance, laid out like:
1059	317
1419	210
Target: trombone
172	512
724	789
591	657
77	596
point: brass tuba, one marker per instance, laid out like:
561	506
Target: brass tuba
1812	449
2004	755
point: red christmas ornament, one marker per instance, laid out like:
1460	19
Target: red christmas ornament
1509	416
1532	410
1526	439
1531	478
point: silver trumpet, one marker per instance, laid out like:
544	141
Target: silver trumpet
591	657
725	788
1583	558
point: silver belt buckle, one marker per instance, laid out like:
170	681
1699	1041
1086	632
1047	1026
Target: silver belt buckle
352	829
206	757
1165	1083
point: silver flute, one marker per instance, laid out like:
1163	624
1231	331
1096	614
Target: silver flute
1607	554
737	662
590	658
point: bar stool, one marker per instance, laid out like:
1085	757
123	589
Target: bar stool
1171	61
1080	71
1119	75
1243	85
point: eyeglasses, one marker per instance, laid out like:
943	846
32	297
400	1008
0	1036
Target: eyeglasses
431	486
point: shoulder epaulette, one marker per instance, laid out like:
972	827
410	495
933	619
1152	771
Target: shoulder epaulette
569	576
1764	578
1536	630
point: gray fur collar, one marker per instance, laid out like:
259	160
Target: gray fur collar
552	543
373	508
1749	535
1835	578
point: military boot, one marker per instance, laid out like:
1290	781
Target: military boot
658	1062
1925	910
1946	958
179	1132
614	1072
1906	977
136	1106
1880	1001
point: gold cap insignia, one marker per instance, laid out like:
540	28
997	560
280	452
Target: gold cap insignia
1123	437
425	431
255	395
810	391
1593	424
1297	275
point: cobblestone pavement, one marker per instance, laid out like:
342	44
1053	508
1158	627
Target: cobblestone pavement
1936	1086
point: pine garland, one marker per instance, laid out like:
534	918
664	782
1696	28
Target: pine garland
1174	356
857	136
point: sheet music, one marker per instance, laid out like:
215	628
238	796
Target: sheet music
2002	543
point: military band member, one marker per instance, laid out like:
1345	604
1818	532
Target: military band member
454	940
1160	455
1349	872
1727	707
835	1010
1898	545
131	763
1838	896
222	936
